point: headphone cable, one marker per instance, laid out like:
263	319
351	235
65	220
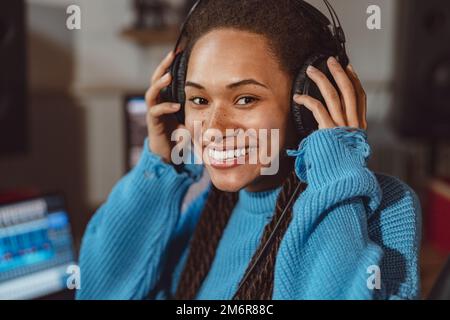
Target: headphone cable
246	276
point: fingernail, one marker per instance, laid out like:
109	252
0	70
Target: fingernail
176	106
333	61
312	70
166	76
297	96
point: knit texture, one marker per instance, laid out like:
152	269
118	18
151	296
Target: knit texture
346	224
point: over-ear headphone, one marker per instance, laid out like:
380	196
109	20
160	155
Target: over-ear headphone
303	118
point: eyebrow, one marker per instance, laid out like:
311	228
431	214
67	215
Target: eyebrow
230	86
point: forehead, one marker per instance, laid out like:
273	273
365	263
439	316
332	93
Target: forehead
226	54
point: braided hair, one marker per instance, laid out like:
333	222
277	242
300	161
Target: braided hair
292	36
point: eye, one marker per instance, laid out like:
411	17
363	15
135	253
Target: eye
246	100
198	101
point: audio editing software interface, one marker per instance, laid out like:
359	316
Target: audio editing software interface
35	248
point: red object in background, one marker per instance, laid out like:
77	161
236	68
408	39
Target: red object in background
17	195
438	214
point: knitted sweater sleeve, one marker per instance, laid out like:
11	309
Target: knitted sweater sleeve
124	245
327	252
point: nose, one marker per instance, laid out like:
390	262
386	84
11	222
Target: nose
216	117
216	122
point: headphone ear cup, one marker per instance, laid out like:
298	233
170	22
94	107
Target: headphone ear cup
179	81
168	94
303	118
174	92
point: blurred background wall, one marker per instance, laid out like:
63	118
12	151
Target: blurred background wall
96	66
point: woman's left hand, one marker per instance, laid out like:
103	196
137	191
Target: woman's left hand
346	108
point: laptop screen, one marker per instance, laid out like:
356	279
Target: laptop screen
35	247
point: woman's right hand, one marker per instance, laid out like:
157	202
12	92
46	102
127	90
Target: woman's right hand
160	119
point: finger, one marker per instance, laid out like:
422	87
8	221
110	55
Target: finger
343	107
347	91
163	109
316	107
152	94
329	93
162	67
361	97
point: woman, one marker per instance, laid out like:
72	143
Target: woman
350	234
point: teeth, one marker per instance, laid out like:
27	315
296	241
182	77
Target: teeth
228	154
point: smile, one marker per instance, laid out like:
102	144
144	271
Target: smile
228	158
229	154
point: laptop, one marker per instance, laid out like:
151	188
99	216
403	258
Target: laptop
36	248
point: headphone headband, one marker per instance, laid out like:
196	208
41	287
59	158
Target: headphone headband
183	26
335	24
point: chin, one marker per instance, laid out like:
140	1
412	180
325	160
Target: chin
231	180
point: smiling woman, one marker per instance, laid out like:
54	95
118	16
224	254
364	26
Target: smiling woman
310	231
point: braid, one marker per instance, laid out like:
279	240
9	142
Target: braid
208	232
205	240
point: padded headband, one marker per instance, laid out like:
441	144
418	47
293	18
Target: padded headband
317	15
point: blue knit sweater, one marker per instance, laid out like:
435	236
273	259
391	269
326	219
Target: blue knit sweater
350	228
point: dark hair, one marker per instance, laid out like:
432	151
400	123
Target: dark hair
292	36
292	33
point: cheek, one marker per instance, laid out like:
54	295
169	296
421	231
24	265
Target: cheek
272	116
195	114
276	122
193	119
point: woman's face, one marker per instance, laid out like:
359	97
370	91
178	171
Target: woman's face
234	83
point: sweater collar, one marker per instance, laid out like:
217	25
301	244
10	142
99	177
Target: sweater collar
258	202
